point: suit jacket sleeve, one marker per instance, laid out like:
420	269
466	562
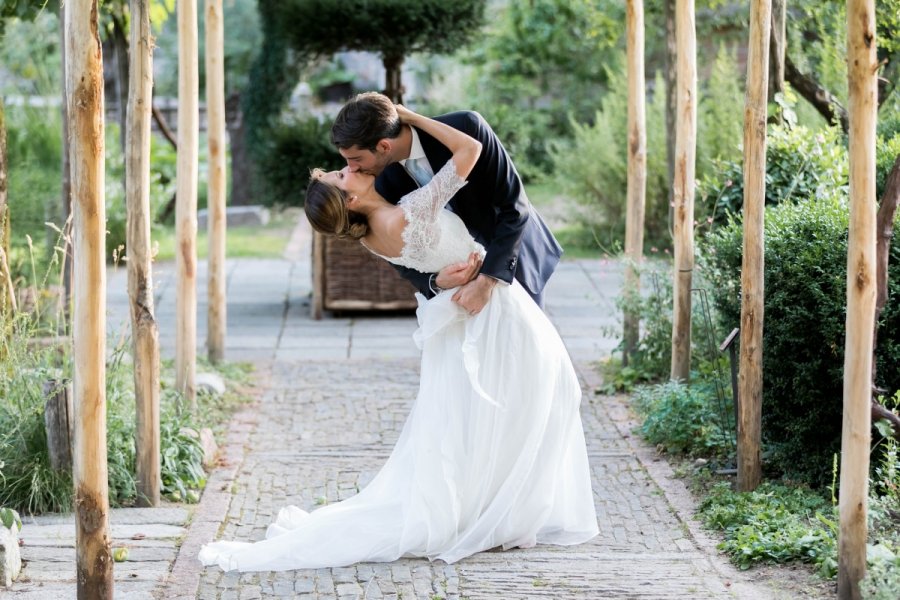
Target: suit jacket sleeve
495	176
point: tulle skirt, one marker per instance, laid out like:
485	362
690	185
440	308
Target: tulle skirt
492	454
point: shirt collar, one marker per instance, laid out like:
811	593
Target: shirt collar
415	148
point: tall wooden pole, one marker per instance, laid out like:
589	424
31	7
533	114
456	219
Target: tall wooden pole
84	90
215	130
683	187
144	329
637	172
66	187
862	70
186	209
7	293
750	381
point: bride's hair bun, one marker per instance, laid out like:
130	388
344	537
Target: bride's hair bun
359	229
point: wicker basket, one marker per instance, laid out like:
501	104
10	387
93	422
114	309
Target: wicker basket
346	276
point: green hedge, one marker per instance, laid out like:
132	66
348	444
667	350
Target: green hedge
291	151
803	339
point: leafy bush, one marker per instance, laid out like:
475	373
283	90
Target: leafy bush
591	168
882	580
800	164
773	524
652	359
533	47
29	483
803	338
680	419
293	149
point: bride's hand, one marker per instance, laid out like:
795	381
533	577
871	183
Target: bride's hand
406	115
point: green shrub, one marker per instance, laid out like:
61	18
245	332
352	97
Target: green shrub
800	164
882	580
291	152
680	419
773	524
803	338
652	359
591	167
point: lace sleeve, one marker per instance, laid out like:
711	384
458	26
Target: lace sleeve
424	203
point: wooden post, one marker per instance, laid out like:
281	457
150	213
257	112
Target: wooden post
862	70
186	209
144	329
637	173
66	187
59	412
215	131
683	187
750	380
84	91
7	292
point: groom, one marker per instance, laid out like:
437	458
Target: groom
493	204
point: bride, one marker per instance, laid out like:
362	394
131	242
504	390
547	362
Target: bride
493	451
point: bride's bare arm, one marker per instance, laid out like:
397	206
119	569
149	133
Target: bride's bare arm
465	149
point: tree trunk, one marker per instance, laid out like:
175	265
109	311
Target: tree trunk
144	328
777	45
120	43
84	89
215	128
685	153
637	174
750	379
164	128
186	209
884	228
821	99
671	79
393	86
856	432
242	175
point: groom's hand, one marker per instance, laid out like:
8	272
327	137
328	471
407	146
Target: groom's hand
459	274
474	295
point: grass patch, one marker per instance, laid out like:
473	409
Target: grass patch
267	241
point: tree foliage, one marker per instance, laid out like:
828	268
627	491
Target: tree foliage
392	28
389	27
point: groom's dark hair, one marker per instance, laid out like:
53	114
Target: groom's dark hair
364	121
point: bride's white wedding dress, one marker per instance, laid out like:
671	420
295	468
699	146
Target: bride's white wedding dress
493	451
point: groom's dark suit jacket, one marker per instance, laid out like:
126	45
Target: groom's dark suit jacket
493	205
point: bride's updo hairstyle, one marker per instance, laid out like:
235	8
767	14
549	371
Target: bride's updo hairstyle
326	209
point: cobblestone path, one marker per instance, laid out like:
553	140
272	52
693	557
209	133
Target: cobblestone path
323	430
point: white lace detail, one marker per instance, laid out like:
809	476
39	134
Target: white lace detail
433	237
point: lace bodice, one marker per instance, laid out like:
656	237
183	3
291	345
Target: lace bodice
434	237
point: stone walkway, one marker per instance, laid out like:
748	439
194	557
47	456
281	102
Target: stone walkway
336	393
